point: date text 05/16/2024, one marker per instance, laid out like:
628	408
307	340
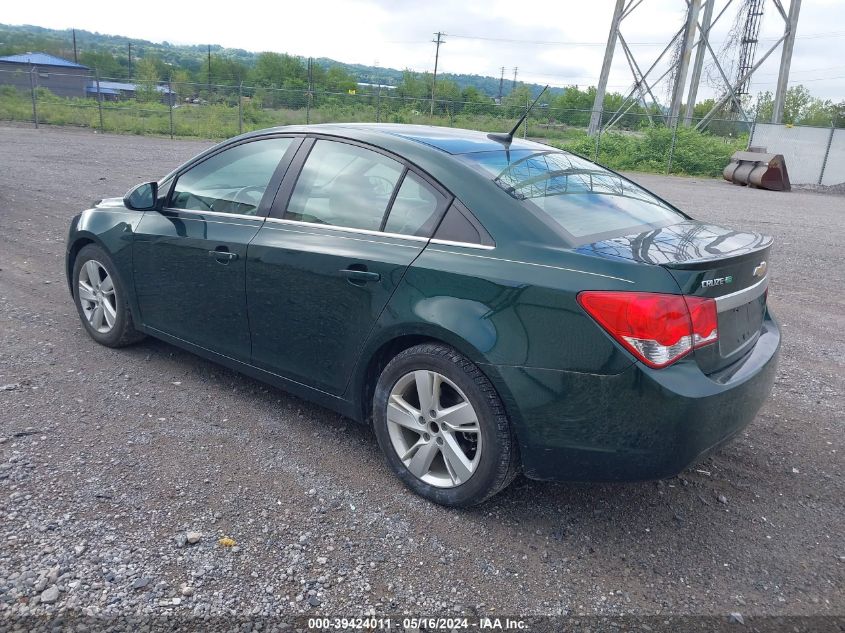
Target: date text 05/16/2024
411	623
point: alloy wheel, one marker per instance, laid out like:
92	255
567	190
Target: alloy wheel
97	296
434	429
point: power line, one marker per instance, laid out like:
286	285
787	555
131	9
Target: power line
544	42
822	78
829	34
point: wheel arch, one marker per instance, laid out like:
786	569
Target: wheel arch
80	241
122	265
379	353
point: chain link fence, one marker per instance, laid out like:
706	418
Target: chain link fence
634	141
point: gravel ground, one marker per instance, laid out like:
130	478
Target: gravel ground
112	462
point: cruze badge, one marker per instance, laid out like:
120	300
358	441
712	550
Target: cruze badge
760	270
718	281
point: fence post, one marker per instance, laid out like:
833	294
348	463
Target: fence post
32	93
99	100
170	102
672	146
598	142
378	103
241	107
753	129
308	107
527	115
310	90
827	150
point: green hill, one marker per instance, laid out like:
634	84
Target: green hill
110	55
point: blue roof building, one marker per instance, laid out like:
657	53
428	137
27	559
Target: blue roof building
42	70
41	59
116	90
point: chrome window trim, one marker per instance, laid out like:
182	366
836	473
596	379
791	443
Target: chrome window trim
346	229
219	214
515	261
343	237
482	247
741	297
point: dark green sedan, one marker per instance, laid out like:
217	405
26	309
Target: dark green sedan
490	306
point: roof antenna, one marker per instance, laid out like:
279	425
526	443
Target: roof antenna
507	139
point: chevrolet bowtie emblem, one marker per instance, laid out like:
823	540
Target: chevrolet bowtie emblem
760	271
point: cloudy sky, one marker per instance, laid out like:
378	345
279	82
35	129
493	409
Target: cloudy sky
550	41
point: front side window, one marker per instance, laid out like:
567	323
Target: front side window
344	185
233	181
585	200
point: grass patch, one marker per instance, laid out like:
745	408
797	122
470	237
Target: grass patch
695	153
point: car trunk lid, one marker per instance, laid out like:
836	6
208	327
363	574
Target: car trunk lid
711	261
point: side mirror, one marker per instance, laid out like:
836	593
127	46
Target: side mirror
143	197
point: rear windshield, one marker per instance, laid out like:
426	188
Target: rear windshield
583	199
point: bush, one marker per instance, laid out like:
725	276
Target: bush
696	153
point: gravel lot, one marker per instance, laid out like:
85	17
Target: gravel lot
108	458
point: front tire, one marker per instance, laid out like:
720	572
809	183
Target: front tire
101	299
442	427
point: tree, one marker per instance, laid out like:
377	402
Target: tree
335	79
147	74
411	87
476	102
106	64
224	71
819	113
797	105
274	70
275	73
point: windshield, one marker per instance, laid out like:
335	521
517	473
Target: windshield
585	200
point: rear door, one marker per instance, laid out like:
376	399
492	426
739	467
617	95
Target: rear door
338	240
189	259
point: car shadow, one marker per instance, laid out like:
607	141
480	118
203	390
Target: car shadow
685	507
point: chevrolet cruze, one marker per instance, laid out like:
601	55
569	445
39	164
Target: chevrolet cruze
488	305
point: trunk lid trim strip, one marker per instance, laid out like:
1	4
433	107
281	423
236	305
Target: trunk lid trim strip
741	297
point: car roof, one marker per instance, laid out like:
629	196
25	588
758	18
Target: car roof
446	139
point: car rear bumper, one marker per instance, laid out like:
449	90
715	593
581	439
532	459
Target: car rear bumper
636	425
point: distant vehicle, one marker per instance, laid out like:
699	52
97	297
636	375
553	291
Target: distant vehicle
488	304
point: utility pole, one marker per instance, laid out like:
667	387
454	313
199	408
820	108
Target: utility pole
501	83
130	60
785	61
75	56
438	42
513	85
209	69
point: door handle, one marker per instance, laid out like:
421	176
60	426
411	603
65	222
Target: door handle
358	275
223	256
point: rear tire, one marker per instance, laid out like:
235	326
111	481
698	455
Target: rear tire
101	299
455	446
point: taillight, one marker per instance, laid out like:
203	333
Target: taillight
657	328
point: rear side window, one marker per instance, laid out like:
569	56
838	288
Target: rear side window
459	225
344	185
233	181
415	209
584	200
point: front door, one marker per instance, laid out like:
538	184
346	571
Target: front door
190	258
324	265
